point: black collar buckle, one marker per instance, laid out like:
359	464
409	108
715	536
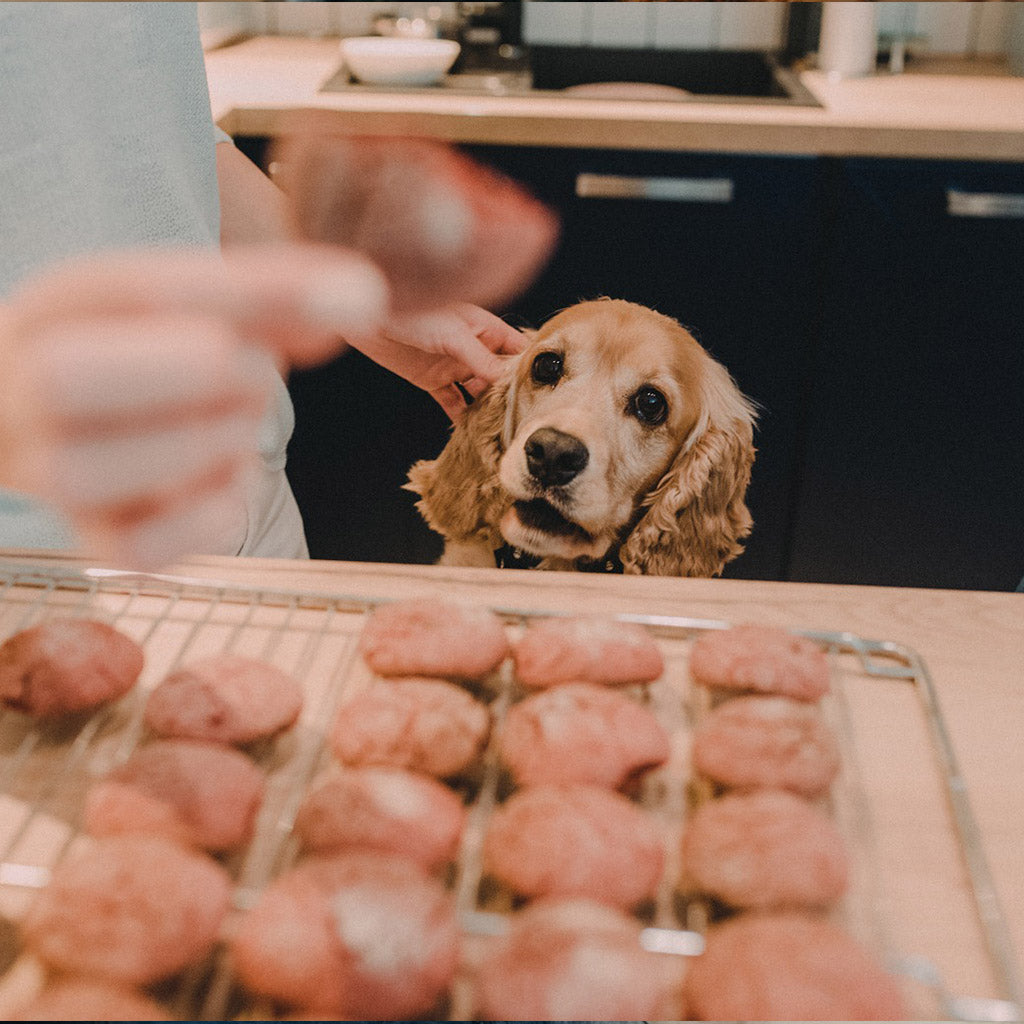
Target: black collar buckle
509	557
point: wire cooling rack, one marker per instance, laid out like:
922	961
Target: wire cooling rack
46	768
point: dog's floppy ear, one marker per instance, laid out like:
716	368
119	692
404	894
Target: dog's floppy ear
460	497
696	516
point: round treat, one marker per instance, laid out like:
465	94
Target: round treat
587	649
788	966
202	794
763	659
226	698
433	638
573	960
130	909
767	742
362	935
383	809
87	999
581	732
426	725
64	665
575	841
441	226
763	850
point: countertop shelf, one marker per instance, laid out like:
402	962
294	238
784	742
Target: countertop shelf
970	641
966	111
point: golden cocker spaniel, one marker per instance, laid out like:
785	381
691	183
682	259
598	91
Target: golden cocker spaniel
615	442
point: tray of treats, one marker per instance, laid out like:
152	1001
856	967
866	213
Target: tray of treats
220	802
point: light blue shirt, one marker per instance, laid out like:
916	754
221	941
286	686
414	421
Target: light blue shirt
106	142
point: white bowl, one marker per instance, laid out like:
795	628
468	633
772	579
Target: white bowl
390	60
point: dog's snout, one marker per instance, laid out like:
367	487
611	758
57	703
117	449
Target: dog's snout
554	457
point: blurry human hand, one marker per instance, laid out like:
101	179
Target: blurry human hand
460	345
134	384
442	226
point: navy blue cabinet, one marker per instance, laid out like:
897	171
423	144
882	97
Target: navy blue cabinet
358	429
913	472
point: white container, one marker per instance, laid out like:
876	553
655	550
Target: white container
848	47
395	60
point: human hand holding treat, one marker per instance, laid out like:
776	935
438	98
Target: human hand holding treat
442	227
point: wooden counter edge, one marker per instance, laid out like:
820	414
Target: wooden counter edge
662	136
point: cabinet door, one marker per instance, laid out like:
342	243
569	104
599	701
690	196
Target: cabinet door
914	472
358	429
723	243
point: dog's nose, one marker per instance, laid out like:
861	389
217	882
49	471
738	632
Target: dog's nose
553	457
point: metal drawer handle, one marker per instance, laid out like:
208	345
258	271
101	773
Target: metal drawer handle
990	205
675	190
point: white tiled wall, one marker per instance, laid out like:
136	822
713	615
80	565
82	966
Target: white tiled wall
305	19
613	24
559	24
947	28
684	26
951	27
993	27
747	26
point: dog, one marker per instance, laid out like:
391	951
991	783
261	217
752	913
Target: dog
614	442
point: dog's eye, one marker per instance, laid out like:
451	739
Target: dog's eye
648	405
546	368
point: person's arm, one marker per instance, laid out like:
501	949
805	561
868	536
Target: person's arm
450	353
132	395
253	210
434	350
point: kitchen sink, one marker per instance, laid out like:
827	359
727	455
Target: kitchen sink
705	76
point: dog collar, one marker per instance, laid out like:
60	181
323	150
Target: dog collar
609	564
509	557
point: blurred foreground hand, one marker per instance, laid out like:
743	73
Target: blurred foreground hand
443	227
134	384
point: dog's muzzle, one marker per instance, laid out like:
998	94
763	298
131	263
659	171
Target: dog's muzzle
554	458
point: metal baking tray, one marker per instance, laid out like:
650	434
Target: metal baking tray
45	769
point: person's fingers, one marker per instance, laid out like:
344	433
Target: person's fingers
473	359
103	376
451	400
297	300
212	517
478	345
494	332
122	469
126	410
475	386
482	343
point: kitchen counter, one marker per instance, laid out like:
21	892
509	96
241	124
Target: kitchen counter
257	84
971	642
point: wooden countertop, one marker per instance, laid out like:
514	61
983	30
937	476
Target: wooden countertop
257	83
971	642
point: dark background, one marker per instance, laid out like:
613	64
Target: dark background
881	336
